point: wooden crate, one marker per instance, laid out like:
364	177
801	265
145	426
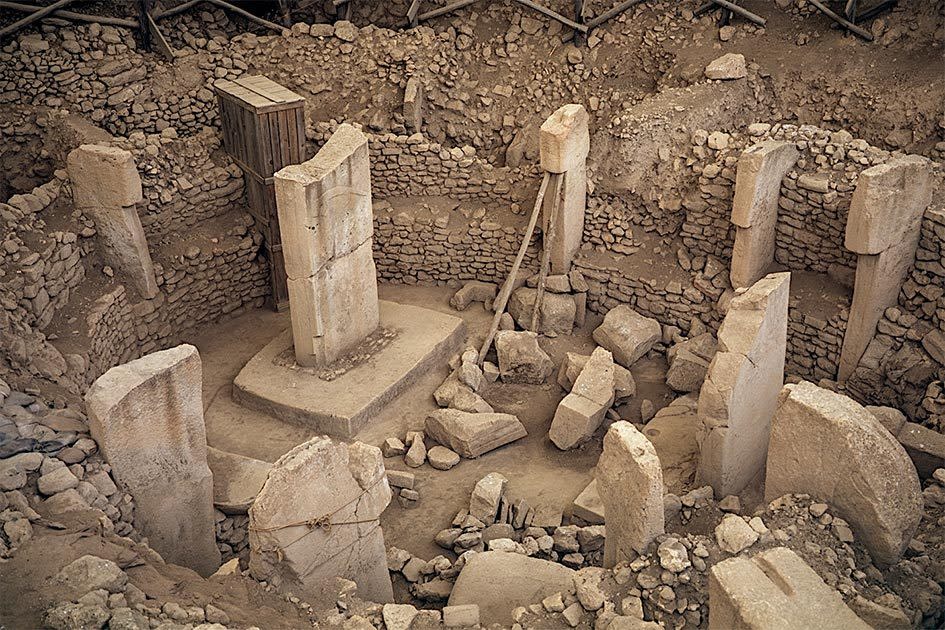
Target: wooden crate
263	131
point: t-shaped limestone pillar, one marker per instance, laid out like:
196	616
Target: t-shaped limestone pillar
565	140
883	227
755	208
326	221
106	185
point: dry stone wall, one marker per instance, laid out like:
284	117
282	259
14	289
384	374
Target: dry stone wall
412	166
813	346
201	286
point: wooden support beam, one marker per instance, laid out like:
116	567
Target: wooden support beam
553	15
850	10
503	299
742	11
429	15
157	38
850	26
869	14
547	239
609	15
34	16
166	13
71	15
412	11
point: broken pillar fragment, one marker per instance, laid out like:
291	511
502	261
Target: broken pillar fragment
630	484
147	417
740	392
317	518
830	447
326	222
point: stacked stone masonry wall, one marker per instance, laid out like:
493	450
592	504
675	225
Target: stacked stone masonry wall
195	289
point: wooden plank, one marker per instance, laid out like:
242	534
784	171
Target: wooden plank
157	38
503	298
412	12
429	15
548	238
36	15
553	15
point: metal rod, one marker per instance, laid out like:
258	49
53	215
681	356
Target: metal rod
553	15
71	15
36	15
850	26
607	15
503	298
742	11
429	15
869	14
547	239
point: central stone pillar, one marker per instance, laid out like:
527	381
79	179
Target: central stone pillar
564	144
326	221
883	229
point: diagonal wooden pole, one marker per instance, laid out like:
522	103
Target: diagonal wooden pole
547	239
32	17
503	298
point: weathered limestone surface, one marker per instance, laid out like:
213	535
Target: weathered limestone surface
147	417
673	433
689	362
564	141
521	359
625	387
627	334
883	228
826	445
755	208
413	104
555	315
472	434
106	185
322	481
774	589
499	582
326	221
581	412
630	483
236	480
740	393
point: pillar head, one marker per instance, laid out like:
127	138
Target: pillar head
103	176
565	139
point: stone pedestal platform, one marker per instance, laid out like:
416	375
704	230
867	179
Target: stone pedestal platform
423	340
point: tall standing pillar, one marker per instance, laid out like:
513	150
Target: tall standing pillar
106	185
564	144
326	221
755	208
883	228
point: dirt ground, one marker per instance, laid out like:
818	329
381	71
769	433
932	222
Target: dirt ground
537	470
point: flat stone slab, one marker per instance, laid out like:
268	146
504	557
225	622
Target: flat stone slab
236	480
341	407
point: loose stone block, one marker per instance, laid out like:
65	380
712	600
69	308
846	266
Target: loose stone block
345	489
774	589
925	447
472	434
630	483
106	185
484	501
689	362
498	582
727	67
326	223
555	316
627	334
883	227
581	412
521	359
830	447
147	418
740	393
755	208
413	104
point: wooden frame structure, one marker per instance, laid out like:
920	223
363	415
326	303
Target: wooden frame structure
580	26
263	131
851	15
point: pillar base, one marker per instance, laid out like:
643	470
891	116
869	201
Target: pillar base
425	339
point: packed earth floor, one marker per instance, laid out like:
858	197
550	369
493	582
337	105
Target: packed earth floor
381	317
